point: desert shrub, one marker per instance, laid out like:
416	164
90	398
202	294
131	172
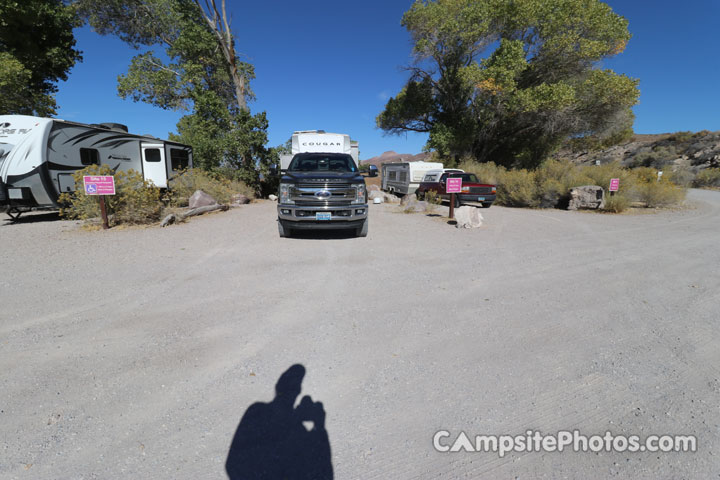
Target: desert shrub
681	176
486	172
681	137
602	174
617	203
659	193
136	201
433	198
659	157
517	189
183	185
707	178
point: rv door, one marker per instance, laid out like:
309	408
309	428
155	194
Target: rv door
153	161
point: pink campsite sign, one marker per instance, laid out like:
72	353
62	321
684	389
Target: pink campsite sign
454	185
99	184
614	184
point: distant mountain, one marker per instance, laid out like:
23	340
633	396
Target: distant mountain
393	157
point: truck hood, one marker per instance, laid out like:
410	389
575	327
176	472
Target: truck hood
330	177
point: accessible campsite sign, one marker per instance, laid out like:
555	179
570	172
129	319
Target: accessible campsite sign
99	184
454	185
614	184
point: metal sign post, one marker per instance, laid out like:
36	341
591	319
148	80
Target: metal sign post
100	185
453	186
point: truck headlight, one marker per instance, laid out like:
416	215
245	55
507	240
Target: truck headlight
285	193
359	194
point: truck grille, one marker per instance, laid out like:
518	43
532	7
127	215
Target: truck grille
481	190
305	195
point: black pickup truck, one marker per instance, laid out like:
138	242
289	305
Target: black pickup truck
322	191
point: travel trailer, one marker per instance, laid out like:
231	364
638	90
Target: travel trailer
405	177
314	141
39	155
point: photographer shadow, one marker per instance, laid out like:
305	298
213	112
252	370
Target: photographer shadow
272	441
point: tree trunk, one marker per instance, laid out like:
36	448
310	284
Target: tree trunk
220	26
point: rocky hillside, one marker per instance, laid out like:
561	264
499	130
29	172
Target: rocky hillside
670	150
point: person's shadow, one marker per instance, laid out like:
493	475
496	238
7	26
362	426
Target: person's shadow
271	441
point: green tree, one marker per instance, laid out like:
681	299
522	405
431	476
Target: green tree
509	80
197	78
36	50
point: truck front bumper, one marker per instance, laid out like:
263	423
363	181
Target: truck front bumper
344	216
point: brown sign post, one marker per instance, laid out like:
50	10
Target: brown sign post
100	185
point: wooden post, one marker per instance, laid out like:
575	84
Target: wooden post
452	206
103	211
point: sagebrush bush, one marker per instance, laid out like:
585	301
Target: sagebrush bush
136	201
432	197
184	184
660	193
707	178
617	203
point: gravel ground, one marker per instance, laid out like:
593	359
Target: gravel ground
133	353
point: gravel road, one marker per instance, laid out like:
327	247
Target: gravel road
134	353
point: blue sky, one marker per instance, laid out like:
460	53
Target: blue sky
332	65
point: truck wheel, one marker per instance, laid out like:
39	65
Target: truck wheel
284	230
419	195
457	201
363	231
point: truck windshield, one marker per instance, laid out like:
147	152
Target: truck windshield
322	162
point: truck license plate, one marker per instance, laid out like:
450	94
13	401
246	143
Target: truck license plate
322	215
481	199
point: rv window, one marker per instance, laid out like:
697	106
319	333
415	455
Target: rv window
152	155
403	176
179	159
89	156
392	175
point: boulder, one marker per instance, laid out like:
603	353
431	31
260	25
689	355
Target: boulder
273	198
239	199
406	198
373	188
468	217
588	197
390	198
412	204
201	199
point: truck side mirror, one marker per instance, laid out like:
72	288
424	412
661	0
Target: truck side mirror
372	171
274	169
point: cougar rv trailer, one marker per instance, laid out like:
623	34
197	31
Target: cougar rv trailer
39	155
314	141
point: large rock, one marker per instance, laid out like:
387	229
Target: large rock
387	197
239	199
468	217
373	188
391	198
201	199
412	204
373	194
588	196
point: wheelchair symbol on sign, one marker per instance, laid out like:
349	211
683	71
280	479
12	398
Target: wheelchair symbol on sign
91	188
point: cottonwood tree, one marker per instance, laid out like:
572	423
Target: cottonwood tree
37	49
509	80
203	76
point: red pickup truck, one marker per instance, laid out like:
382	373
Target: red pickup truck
472	190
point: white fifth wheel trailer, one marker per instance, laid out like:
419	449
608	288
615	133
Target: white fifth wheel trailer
405	177
320	141
39	155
